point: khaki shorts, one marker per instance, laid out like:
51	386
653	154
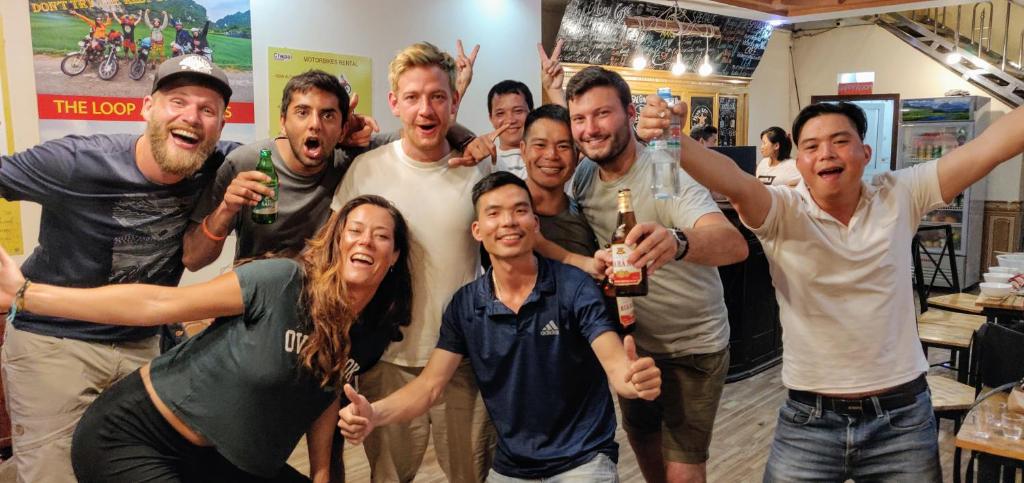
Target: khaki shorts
49	382
462	433
691	387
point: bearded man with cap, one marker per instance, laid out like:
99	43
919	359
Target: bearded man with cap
115	208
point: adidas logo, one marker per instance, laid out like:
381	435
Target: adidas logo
550	329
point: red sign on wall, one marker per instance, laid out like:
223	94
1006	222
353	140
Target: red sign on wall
855	88
118	109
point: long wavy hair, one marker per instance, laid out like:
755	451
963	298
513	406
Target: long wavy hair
325	296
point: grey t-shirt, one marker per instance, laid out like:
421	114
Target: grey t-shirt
303	206
684	310
103	222
569	230
241	382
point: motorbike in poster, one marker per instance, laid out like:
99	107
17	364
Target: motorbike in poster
93	51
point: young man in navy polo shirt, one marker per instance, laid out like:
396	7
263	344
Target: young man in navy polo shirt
540	344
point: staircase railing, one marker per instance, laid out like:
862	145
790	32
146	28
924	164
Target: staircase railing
981	31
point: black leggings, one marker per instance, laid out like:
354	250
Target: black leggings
123	438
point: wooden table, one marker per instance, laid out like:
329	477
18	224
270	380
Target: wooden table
996	444
957	302
1007	308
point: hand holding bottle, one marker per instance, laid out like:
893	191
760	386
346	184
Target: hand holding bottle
247	189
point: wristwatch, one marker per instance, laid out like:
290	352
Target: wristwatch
682	244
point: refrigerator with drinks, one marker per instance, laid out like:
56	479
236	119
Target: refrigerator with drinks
929	129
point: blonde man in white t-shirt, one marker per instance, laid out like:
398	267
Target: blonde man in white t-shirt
436	199
839	250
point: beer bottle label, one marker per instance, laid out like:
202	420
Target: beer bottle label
268	204
624	273
626	315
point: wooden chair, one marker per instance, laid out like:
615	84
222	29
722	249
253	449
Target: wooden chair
952	331
951	400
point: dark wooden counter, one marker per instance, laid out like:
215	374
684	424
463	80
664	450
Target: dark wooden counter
756	336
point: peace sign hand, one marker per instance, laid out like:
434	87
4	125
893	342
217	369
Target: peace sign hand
551	71
464	67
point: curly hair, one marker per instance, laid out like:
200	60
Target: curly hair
324	296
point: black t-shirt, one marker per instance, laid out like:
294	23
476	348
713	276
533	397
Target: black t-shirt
241	383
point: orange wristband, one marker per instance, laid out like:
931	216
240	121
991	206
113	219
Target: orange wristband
209	234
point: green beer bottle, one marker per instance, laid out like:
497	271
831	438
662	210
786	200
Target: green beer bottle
265	212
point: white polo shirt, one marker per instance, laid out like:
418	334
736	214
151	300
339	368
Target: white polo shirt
845	293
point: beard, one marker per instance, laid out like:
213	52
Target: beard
619	140
173	160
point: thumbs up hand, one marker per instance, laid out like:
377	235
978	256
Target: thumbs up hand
643	374
356	419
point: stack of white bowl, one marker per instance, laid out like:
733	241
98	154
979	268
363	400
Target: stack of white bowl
997	279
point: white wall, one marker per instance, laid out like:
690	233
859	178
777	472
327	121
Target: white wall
898	67
507	31
772	98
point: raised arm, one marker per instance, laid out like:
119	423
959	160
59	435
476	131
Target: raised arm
128	304
976	159
463	71
204	240
552	73
359	418
712	169
145	17
631	376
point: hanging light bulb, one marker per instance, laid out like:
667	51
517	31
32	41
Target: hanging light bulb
639	61
705	68
678	68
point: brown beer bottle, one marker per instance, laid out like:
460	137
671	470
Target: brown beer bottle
629	281
622	309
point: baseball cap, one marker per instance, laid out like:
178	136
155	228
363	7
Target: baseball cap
196	67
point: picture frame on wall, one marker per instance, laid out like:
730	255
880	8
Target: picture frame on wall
727	119
702	111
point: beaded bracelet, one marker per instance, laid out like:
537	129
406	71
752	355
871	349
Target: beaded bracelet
18	304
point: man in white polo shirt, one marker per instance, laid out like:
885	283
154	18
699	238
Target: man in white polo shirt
839	252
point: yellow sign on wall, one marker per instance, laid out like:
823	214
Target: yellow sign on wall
355	73
10	211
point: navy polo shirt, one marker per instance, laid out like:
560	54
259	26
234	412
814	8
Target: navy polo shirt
543	386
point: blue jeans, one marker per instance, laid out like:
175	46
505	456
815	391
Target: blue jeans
815	445
601	469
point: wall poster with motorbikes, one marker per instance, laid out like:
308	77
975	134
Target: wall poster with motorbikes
354	72
95	60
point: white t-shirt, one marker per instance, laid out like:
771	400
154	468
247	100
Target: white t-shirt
511	161
436	202
845	296
782	174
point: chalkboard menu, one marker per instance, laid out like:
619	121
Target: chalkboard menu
594	32
727	120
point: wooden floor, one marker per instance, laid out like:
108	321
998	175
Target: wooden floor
739	447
